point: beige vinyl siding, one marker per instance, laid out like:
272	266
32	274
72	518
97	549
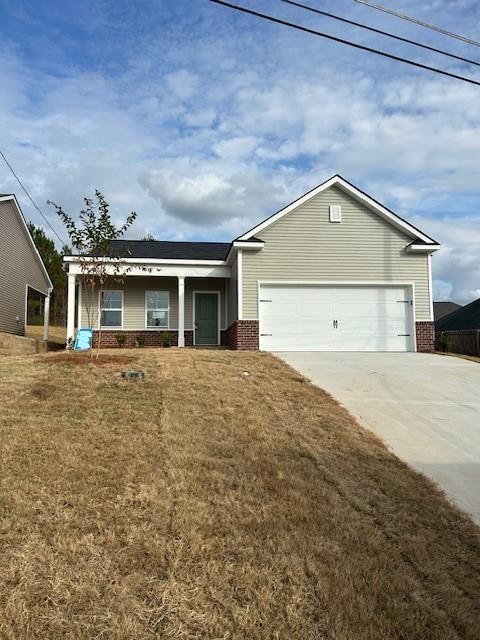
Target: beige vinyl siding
232	294
304	245
134	288
19	266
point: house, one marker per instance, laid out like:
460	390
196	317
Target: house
22	272
465	318
334	270
442	309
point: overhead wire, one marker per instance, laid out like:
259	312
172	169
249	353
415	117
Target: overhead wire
349	43
30	197
388	34
422	23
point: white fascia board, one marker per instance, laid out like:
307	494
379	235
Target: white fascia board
146	261
355	193
166	270
39	257
422	248
238	244
248	245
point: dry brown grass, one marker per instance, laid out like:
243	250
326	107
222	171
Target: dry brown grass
458	355
55	334
205	503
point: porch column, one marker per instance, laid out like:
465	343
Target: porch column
71	306
46	315
181	311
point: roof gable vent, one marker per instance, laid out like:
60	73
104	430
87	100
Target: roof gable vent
335	213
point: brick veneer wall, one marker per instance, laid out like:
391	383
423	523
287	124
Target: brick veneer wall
425	336
152	338
243	335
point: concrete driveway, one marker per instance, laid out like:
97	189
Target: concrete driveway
425	407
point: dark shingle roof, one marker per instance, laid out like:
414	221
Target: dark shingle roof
467	317
442	309
166	250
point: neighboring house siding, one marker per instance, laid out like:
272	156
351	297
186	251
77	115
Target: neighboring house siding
232	294
134	300
19	266
304	245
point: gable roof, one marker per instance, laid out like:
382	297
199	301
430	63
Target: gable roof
420	239
467	317
168	250
442	309
11	197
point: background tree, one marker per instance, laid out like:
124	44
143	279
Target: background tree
53	261
148	237
91	237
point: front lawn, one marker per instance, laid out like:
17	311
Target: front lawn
223	497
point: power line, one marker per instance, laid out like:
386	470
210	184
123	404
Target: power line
380	31
379	7
30	197
314	32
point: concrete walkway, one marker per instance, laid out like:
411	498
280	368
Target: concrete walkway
425	407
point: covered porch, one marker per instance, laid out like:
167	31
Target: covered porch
152	310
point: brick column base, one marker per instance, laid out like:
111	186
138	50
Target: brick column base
425	336
243	335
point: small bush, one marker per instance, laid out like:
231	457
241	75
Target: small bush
121	338
443	343
166	339
140	341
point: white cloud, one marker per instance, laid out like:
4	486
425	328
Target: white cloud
235	148
182	83
456	267
213	195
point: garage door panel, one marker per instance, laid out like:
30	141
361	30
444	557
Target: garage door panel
328	318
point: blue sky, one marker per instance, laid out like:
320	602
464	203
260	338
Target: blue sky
205	121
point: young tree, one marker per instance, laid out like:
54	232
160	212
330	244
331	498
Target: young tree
91	238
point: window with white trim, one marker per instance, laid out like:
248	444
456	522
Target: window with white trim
111	309
157	309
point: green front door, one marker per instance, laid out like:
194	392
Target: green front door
206	318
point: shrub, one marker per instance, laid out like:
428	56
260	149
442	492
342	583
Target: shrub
442	342
121	338
140	341
166	339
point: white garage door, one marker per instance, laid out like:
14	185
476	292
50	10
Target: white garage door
298	317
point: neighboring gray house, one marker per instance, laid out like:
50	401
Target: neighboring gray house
442	309
334	270
21	268
465	318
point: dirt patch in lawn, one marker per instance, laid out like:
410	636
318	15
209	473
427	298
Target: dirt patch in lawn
42	391
224	497
73	358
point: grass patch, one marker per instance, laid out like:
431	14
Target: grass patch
203	502
55	334
78	358
458	355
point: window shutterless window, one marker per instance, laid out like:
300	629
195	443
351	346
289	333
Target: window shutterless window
157	309
111	309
